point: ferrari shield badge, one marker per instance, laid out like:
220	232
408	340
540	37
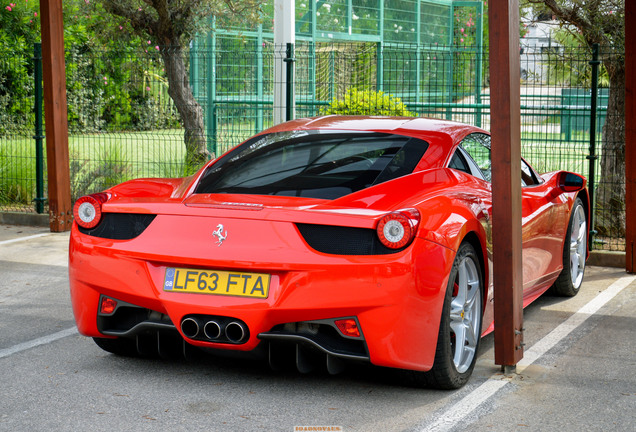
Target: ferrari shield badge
220	234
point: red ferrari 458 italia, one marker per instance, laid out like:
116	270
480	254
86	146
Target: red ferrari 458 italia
322	240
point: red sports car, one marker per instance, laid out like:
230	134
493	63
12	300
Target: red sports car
321	240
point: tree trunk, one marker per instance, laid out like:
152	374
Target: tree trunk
191	112
610	199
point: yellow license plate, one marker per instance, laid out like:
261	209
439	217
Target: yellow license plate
216	282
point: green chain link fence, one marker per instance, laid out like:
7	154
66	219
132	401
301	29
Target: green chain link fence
123	124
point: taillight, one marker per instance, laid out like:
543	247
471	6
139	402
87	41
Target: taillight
88	210
397	229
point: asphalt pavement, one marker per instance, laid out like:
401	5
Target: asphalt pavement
578	371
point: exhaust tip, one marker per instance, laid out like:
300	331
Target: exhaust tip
212	330
190	327
235	332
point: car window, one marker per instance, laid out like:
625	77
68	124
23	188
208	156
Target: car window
477	145
478	148
528	177
463	162
314	164
458	162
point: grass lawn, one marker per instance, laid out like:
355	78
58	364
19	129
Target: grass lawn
138	154
101	160
97	161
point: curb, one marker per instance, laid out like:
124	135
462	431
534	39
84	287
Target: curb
28	219
606	259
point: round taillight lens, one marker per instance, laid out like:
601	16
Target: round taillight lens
88	210
397	229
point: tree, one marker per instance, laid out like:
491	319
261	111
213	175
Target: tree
603	22
171	25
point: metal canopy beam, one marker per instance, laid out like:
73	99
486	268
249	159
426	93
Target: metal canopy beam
630	135
506	180
55	115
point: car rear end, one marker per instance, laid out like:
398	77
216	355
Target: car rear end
298	236
281	273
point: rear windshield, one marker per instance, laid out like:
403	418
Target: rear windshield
313	164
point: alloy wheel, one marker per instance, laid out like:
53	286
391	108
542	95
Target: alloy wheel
465	313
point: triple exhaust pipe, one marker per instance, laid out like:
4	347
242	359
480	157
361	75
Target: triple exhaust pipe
214	330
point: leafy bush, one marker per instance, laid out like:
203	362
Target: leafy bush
114	80
19	30
368	102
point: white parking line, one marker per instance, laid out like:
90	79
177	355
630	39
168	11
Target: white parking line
23	238
457	412
37	342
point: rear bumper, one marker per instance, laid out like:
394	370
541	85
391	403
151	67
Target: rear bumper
396	298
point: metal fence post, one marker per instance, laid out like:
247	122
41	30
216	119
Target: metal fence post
39	136
379	80
211	113
332	74
259	80
289	91
194	67
592	157
479	64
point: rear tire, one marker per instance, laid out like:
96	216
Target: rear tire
460	325
120	346
574	253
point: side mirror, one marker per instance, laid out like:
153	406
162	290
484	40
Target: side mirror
571	182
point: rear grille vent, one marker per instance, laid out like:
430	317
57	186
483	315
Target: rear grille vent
120	226
325	337
338	240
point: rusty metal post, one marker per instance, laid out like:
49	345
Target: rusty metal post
506	182
55	116
630	135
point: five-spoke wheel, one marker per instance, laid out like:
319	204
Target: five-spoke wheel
574	253
460	325
465	314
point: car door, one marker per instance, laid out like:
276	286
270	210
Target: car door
542	231
472	156
542	246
